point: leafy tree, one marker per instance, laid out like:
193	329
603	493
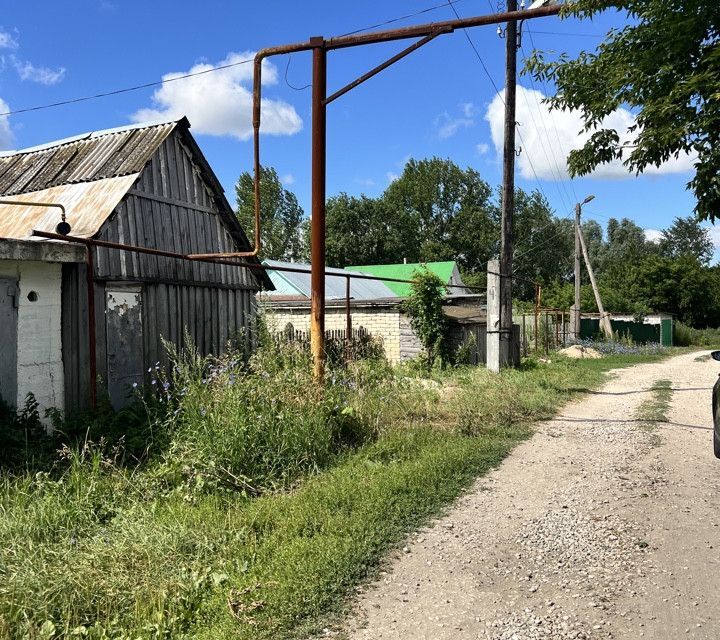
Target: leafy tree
281	217
665	67
362	230
424	307
686	237
449	210
543	244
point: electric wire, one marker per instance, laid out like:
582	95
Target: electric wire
497	91
287	82
400	19
115	92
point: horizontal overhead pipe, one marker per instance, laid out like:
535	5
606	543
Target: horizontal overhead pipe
428	30
92	242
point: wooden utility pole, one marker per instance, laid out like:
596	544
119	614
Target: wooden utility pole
576	308
508	190
605	325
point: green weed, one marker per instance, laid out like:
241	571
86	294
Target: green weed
262	500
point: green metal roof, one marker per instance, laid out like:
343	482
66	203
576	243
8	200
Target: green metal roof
444	270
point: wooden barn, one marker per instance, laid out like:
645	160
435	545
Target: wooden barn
145	185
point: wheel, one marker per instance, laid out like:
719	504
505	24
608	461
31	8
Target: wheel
716	443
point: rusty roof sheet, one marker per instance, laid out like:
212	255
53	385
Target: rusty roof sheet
88	204
92	156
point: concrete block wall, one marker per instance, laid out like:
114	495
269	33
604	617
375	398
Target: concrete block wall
383	323
39	356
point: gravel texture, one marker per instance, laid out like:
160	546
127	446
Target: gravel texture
598	527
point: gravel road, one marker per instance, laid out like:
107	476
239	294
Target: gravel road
597	527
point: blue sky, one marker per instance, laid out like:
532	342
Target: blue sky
438	101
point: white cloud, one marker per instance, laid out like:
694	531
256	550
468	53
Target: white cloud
365	182
546	147
43	75
220	103
482	148
653	235
6	137
391	177
7	41
287	179
447	126
714	236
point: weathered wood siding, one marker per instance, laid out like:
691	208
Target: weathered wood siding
171	207
211	316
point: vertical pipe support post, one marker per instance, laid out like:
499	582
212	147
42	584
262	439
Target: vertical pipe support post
348	321
317	222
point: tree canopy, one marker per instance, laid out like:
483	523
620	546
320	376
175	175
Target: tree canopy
282	218
665	67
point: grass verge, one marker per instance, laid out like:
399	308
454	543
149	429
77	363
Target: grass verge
655	408
101	550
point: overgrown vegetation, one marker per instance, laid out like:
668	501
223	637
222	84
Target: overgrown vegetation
260	501
685	336
424	307
655	408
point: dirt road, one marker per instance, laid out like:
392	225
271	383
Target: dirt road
597	527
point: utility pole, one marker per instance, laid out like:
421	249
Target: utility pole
576	308
508	190
605	325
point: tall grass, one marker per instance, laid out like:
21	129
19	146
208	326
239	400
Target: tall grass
261	501
686	336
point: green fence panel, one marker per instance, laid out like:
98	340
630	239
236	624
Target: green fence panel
639	332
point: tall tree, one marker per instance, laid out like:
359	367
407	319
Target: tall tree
543	244
362	230
281	217
664	66
449	210
686	237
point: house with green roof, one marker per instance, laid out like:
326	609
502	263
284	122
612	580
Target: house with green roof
447	271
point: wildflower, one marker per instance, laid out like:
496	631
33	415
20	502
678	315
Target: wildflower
153	381
166	385
134	385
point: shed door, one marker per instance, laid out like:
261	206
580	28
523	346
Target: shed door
8	340
123	325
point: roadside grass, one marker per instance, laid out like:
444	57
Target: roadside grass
207	539
655	409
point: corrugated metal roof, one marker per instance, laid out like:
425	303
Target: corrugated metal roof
88	205
444	270
288	283
91	156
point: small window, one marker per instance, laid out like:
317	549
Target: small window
32	296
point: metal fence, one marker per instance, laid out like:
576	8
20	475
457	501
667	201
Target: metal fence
544	330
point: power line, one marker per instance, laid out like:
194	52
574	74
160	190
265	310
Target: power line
574	35
124	90
400	19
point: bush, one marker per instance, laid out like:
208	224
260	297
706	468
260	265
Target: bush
685	336
258	425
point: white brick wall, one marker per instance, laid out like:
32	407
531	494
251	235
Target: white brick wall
384	323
